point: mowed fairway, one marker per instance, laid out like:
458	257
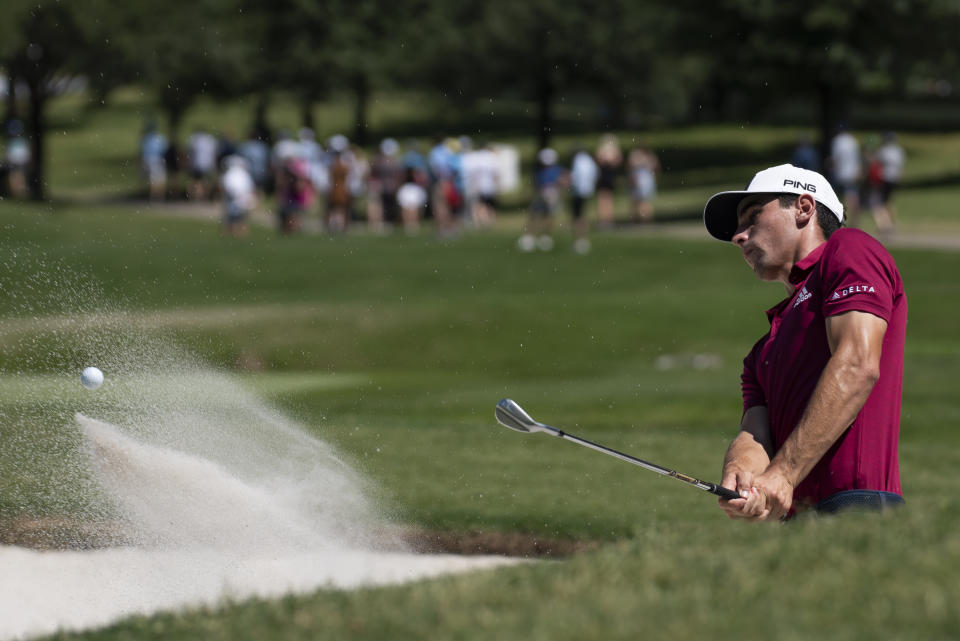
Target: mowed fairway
397	349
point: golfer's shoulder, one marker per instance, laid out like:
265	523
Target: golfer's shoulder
850	244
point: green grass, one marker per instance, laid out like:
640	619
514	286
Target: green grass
396	349
851	579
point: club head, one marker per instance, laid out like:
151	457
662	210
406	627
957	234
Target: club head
511	415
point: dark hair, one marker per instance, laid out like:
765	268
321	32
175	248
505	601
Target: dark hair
826	219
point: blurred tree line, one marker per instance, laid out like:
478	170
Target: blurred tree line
643	62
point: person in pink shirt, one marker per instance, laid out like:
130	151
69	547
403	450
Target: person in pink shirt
822	389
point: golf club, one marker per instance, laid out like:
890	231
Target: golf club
510	414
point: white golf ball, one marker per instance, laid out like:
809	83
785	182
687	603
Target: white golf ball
91	378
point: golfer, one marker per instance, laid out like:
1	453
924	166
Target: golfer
821	390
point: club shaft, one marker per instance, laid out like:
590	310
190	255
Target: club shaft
713	488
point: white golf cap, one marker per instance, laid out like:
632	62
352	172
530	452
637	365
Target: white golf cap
720	214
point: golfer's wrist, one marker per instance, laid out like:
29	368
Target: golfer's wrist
785	471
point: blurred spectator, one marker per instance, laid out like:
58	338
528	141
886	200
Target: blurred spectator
309	149
239	195
873	175
283	150
414	161
805	155
547	182
257	154
455	189
317	161
482	171
294	194
644	166
339	195
385	177
226	146
174	165
412	198
440	164
583	183
202	156
891	158
449	190
17	159
609	161
845	166
153	150
359	173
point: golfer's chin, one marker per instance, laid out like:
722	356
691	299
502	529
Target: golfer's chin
761	269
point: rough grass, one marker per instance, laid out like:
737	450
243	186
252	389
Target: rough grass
397	349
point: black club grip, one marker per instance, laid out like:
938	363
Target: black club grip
723	492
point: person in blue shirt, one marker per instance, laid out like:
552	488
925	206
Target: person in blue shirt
548	180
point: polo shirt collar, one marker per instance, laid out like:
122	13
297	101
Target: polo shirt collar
798	274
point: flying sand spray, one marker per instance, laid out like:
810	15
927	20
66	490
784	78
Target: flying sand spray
208	494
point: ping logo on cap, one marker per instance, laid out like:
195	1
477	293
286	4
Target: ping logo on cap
799	185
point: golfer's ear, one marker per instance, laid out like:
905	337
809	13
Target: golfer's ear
806	210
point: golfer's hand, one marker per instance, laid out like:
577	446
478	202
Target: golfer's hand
775	494
739	481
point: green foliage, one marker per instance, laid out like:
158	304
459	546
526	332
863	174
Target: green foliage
835	51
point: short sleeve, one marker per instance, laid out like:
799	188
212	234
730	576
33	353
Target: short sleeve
858	275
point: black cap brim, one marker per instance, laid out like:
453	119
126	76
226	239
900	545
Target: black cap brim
720	214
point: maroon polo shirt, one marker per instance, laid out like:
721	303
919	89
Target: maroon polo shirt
850	272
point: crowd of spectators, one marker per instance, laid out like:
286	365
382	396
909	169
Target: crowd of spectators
864	175
590	176
455	182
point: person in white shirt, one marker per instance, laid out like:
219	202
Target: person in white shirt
202	152
643	165
846	166
583	184
239	195
483	177
412	198
892	158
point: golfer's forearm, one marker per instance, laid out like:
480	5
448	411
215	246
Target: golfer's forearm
745	454
751	450
843	388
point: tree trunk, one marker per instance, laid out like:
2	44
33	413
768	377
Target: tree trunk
361	88
261	129
616	116
545	91
306	111
11	107
36	182
834	112
174	121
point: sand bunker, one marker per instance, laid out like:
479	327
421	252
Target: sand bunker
42	592
259	522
